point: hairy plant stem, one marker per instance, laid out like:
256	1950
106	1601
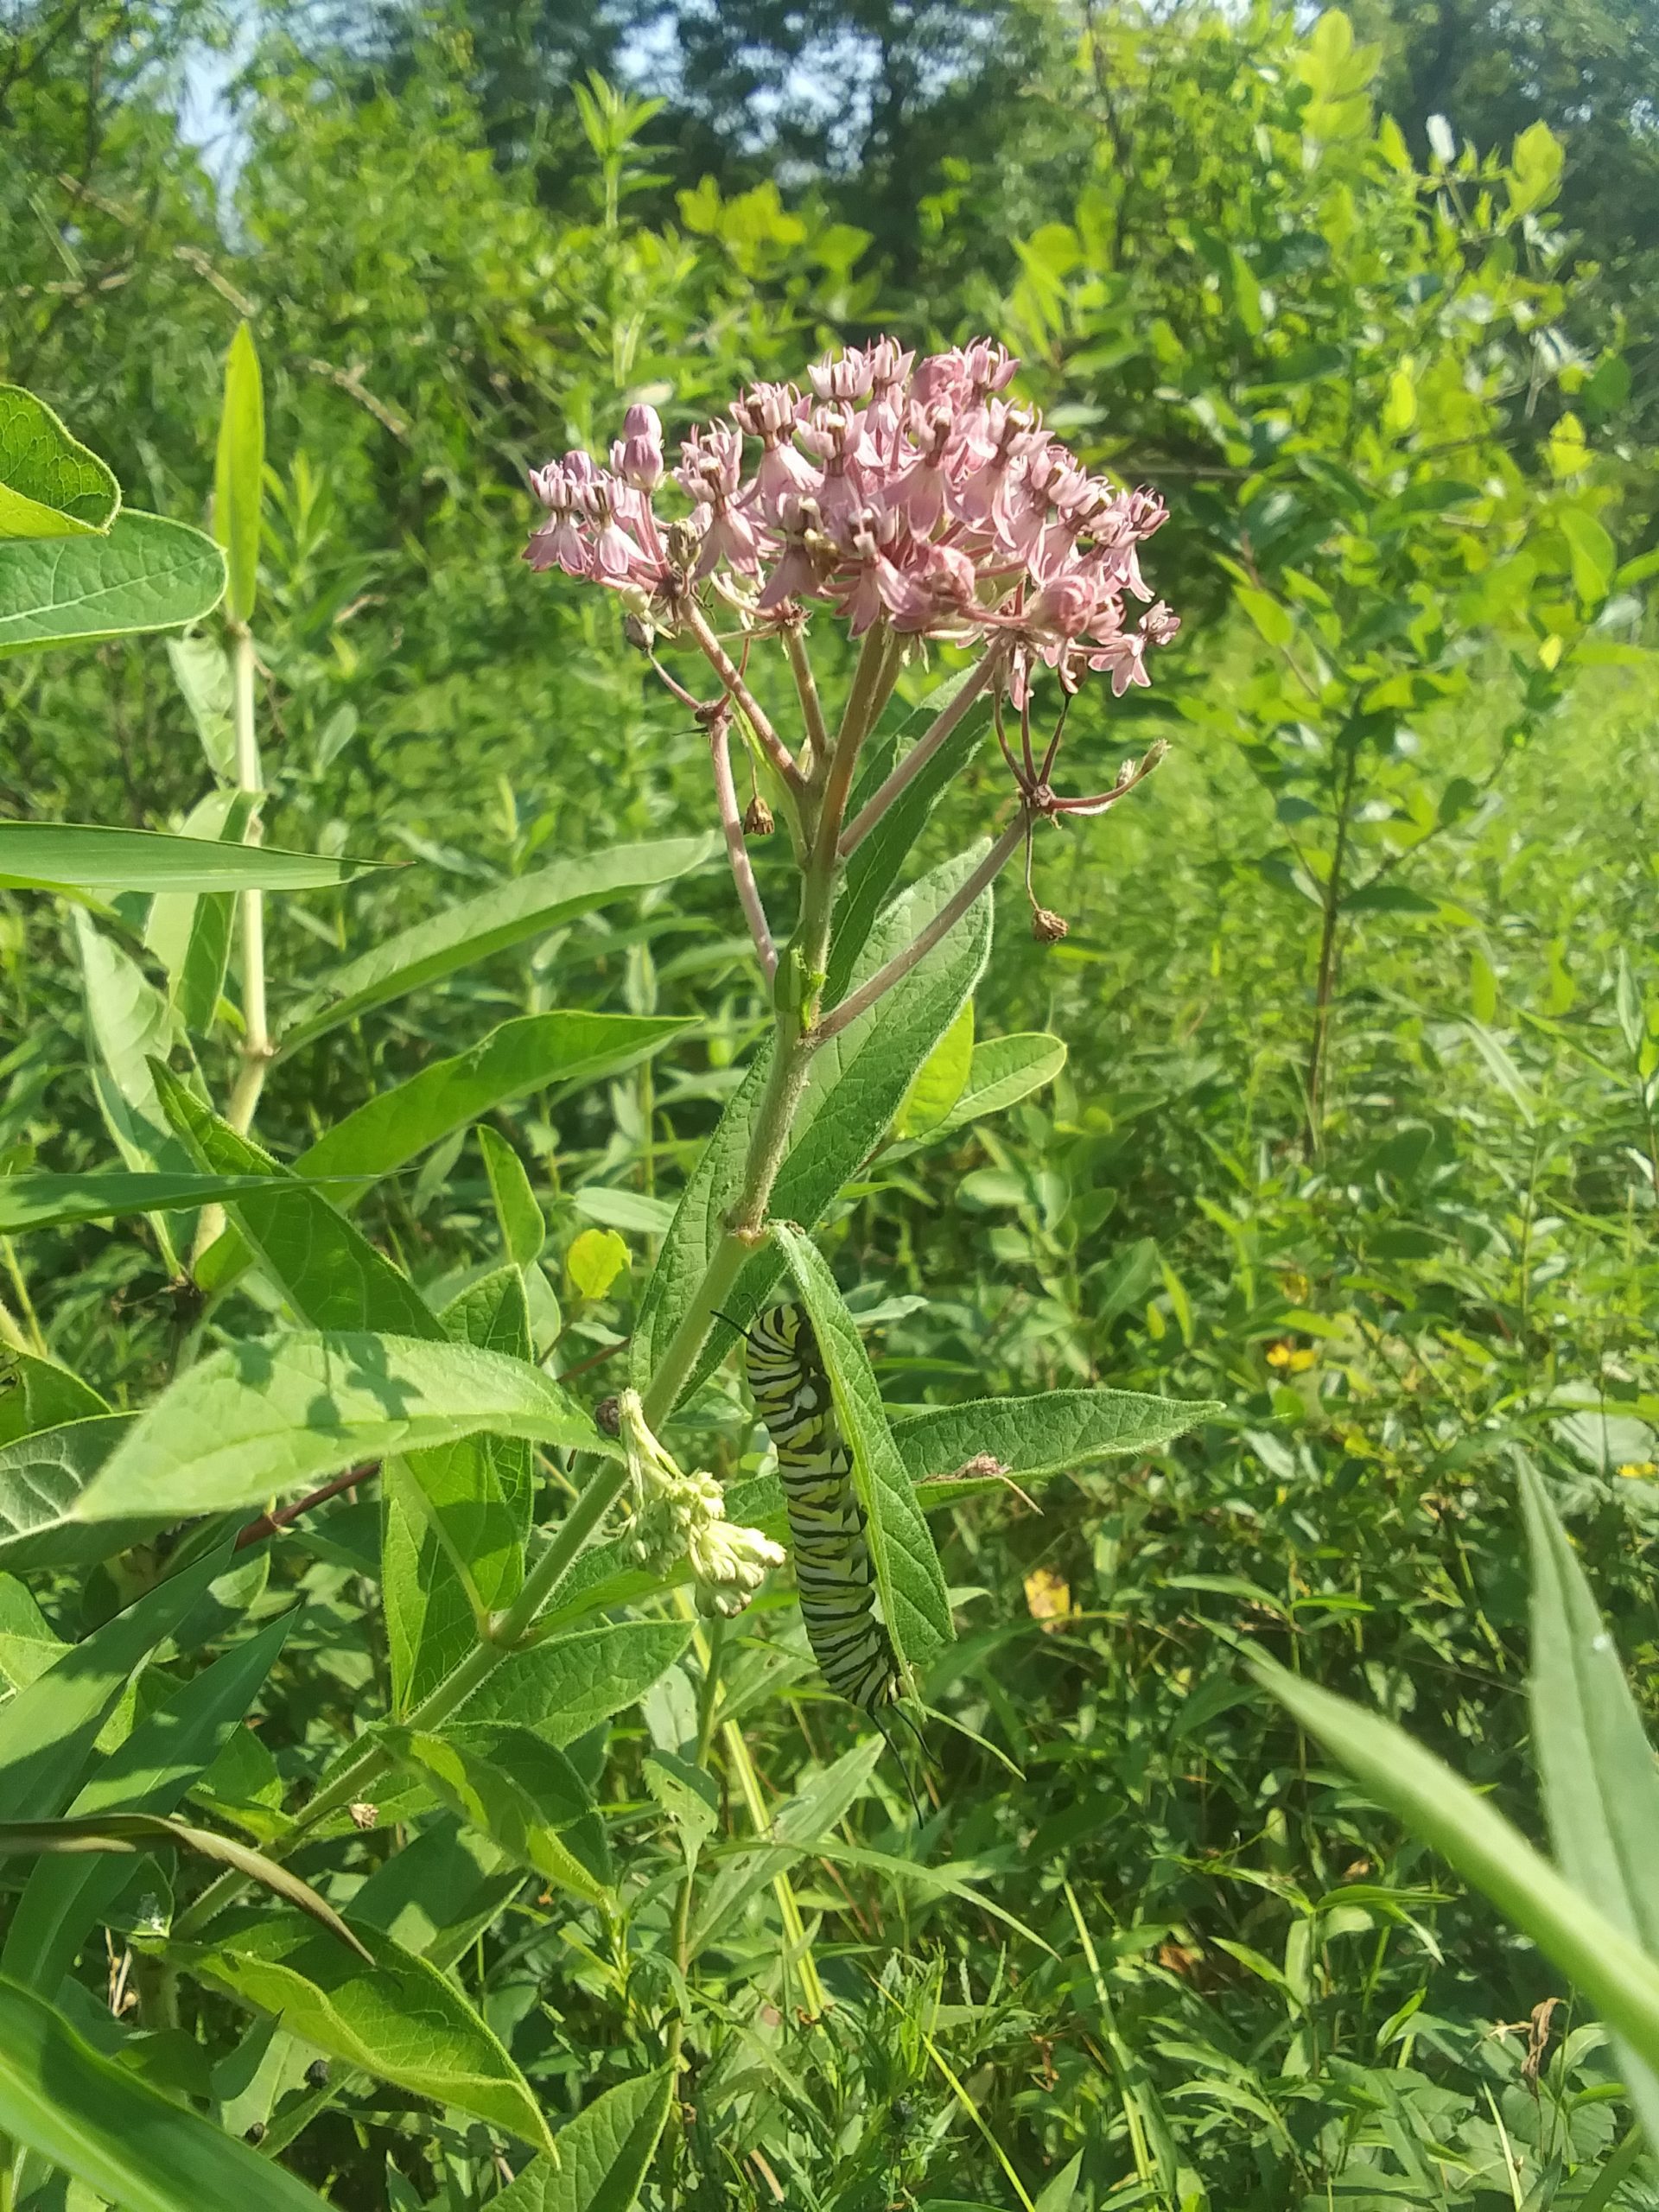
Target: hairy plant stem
806	691
747	705
737	850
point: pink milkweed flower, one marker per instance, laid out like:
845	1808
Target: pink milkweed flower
637	456
848	378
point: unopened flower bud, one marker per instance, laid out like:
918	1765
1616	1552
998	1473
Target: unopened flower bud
1046	927
757	818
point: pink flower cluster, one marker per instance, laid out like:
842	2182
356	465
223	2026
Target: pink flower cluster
912	491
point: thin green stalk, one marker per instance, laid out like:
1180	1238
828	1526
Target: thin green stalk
34	1341
709	1651
255	1042
1600	2193
814	2001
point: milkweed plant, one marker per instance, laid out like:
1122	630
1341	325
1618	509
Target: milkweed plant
546	1552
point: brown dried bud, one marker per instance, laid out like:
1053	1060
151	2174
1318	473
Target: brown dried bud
363	1815
1046	927
608	1414
638	633
758	819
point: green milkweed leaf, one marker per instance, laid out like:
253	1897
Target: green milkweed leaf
399	2019
29	1201
239	471
42	1475
47	1731
604	2153
38	1394
907	1571
853	1092
332	1276
492	923
77	857
1031	1437
150	1772
100	2122
535	1052
524	1231
562	1688
51	486
502	1800
143	574
1002	1070
263	1417
190	932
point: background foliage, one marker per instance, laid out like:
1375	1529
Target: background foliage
1356	1133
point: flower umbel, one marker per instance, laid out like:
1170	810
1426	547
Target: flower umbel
678	1515
913	501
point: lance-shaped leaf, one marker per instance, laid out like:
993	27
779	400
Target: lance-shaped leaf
80	857
879	861
527	907
1034	1438
130	1835
523	1230
262	1418
537	1052
331	1276
562	1688
857	1083
31	1201
144	574
239	471
456	1518
139	2150
47	1731
38	1394
502	1799
1600	1784
42	1476
129	1028
1620	1977
148	1772
189	932
51	486
604	2153
907	1571
399	2019
1002	1070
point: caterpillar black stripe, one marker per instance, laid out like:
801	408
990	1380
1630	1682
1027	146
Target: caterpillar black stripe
833	1570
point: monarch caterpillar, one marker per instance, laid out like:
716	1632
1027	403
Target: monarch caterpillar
826	1522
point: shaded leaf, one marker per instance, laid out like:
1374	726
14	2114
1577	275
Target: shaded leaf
51	486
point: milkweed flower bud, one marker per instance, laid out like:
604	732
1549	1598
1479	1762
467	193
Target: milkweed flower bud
678	1515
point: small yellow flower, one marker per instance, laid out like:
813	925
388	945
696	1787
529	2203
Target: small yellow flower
1291	1359
1048	1597
1639	1470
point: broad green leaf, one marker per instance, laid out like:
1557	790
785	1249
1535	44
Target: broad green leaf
593	1262
202	668
51	486
144	574
239	472
38	1393
1003	1071
1595	1764
535	1052
456	1518
148	1772
129	1028
75	857
1275	622
263	1417
907	1572
28	1645
142	2152
189	932
399	2019
438	1894
47	1731
877	862
1436	1805
604	2153
42	1475
498	919
500	1801
331	1276
1594	556
940	1080
524	1231
1031	1437
851	1094
30	1201
563	1687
